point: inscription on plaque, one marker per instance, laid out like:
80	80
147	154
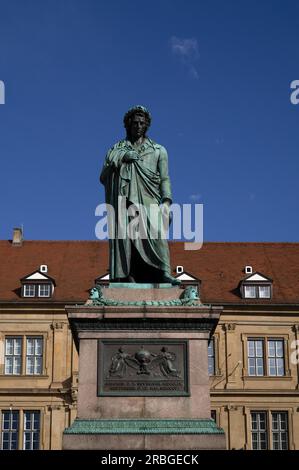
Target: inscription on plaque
142	368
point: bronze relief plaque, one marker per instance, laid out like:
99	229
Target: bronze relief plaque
143	368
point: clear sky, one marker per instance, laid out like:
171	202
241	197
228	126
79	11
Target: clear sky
216	77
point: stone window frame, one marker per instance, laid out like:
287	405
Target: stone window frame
261	408
266	337
23	336
21	424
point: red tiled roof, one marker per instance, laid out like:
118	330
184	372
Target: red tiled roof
76	264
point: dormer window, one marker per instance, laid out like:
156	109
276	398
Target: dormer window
29	290
264	292
254	292
44	290
37	285
249	292
256	286
37	290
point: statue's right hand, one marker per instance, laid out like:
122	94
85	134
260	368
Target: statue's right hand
130	156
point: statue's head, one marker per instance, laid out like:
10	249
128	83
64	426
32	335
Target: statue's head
137	121
191	293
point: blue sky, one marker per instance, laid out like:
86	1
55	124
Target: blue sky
216	77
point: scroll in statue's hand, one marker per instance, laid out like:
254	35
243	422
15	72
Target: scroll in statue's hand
130	156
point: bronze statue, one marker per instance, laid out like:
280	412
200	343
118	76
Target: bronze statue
137	187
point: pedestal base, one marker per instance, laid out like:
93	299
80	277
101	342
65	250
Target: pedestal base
144	434
143	370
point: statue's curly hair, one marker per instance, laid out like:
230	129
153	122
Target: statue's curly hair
137	110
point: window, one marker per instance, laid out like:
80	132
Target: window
256	357
13	356
25	424
280	430
275	357
249	292
44	290
37	290
31	430
259	433
17	360
10	430
256	286
257	292
264	292
266	363
211	356
34	355
262	422
213	415
29	290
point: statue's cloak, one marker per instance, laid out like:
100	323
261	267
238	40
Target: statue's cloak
141	185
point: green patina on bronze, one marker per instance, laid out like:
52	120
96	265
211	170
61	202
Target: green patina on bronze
144	426
143	367
135	171
189	298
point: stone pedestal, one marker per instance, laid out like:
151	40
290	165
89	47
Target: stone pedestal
143	370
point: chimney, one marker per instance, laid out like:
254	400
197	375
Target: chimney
17	239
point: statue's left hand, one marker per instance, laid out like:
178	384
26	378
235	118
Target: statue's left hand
130	156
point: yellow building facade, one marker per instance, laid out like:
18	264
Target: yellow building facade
257	411
51	391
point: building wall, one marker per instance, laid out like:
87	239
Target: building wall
234	394
52	393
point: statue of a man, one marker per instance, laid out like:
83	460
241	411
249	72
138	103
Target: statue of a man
135	176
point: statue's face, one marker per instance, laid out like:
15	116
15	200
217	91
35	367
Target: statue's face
138	126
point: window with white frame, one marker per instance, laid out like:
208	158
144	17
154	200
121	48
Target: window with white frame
280	436
13	356
266	361
256	291
44	290
259	430
29	290
25	424
264	292
255	356
37	290
34	355
249	292
23	353
276	357
9	430
31	433
269	430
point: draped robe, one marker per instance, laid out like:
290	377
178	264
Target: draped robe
143	182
